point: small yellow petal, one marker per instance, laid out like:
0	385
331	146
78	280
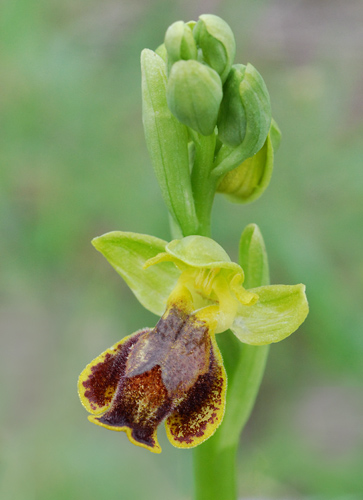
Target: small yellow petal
244	296
160	257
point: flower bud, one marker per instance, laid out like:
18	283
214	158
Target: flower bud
216	40
245	113
194	94
179	43
191	24
232	115
249	180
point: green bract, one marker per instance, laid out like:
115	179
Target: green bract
275	135
252	96
232	115
253	258
161	52
152	267
167	142
216	40
194	93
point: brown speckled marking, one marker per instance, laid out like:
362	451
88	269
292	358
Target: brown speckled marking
200	407
141	403
102	383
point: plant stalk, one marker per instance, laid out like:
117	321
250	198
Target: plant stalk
214	461
215	473
203	184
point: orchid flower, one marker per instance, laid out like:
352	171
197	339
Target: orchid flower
174	372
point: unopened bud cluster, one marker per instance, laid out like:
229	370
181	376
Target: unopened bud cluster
199	57
195	94
204	87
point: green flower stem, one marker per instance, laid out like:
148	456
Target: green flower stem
214	471
203	185
215	460
215	475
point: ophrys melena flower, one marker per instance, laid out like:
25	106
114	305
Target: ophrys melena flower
174	372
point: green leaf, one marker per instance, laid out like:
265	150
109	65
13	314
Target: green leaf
167	141
127	254
279	311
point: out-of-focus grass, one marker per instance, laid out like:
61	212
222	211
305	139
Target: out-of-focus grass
74	165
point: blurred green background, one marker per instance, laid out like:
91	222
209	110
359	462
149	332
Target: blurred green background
74	165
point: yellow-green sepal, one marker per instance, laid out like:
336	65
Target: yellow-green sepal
127	254
280	310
